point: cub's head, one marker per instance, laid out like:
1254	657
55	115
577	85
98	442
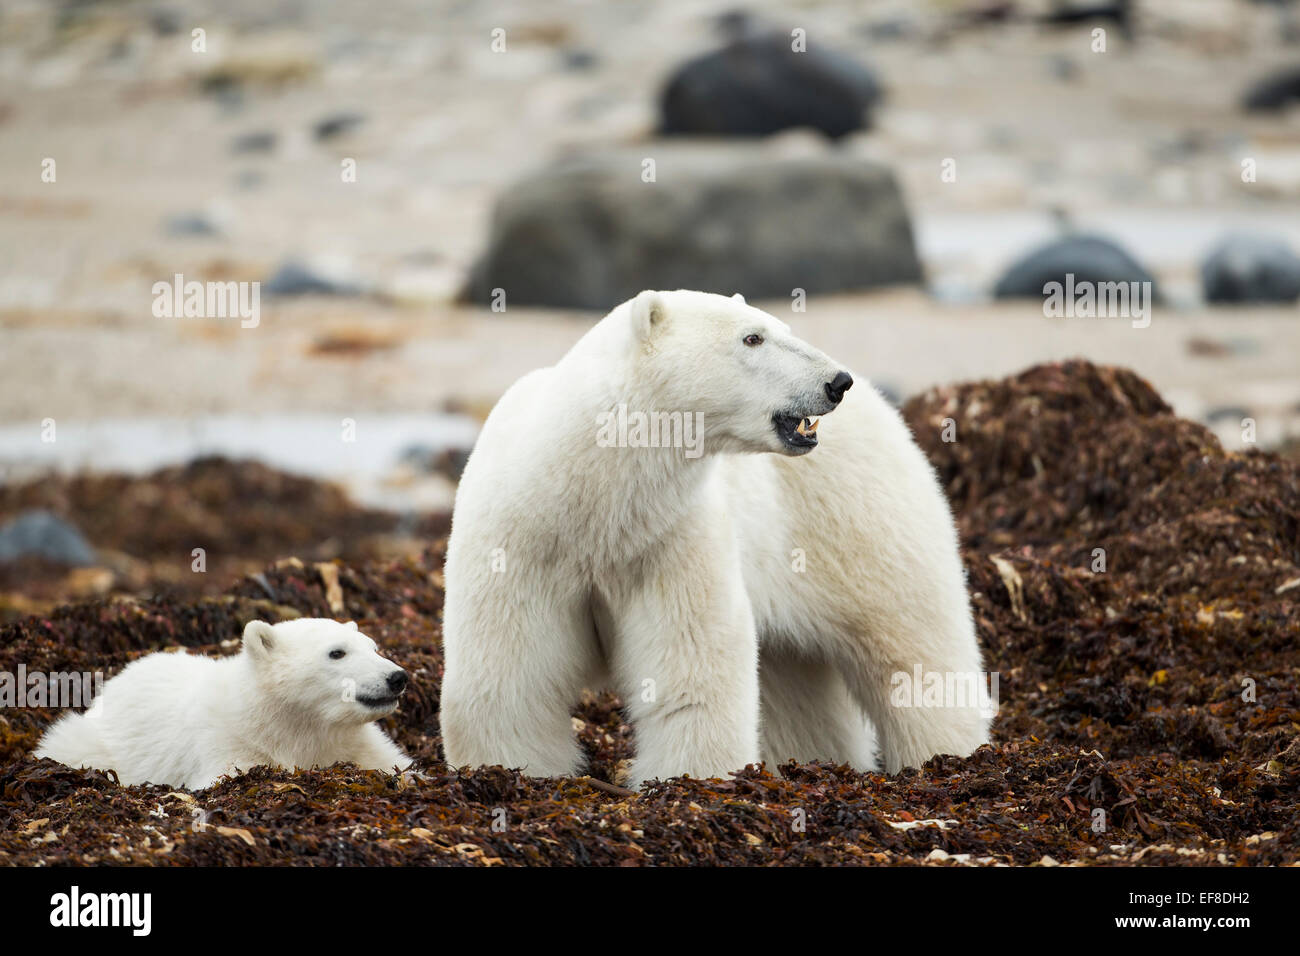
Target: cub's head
754	386
328	670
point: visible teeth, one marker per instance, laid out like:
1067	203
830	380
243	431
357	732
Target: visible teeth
807	426
813	427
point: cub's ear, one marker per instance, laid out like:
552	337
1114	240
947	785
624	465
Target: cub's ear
351	625
647	313
259	639
739	298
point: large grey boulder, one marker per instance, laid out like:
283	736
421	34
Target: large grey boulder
593	234
1251	268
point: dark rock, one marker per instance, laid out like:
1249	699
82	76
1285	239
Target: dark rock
258	141
579	58
592	235
1089	258
1251	268
337	125
891	28
1275	91
298	278
1227	413
1118	12
165	21
1063	68
449	462
249	179
983	12
42	534
757	85
191	224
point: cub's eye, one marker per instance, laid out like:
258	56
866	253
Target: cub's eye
337	655
753	339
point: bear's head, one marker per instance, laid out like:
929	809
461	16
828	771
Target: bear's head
325	670
752	385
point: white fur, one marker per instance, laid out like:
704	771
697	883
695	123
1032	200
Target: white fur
673	577
183	720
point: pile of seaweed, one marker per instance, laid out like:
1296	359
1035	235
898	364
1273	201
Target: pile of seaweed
1136	587
145	529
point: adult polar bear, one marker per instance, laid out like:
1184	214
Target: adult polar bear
742	604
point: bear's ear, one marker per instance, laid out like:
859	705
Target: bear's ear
259	639
647	313
351	625
739	298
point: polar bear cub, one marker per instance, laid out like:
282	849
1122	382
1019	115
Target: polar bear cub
664	512
302	693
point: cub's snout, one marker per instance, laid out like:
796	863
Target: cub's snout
397	681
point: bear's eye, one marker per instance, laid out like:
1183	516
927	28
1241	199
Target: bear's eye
753	339
337	655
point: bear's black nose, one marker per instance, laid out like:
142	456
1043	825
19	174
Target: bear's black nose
835	389
397	681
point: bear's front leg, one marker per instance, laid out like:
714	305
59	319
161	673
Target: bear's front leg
685	659
520	647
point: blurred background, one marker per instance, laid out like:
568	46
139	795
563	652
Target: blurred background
917	169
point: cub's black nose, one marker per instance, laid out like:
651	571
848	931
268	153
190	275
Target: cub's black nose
835	390
397	681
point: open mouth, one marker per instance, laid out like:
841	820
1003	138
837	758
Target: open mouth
378	702
795	432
